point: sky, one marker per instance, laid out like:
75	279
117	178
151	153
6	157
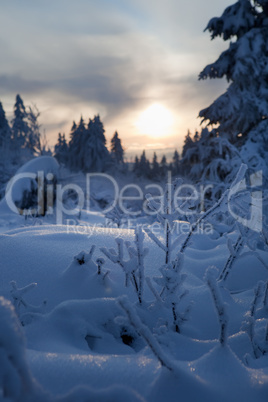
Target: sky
134	62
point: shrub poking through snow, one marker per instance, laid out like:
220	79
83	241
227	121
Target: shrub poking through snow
220	306
83	264
250	322
171	280
144	331
18	301
83	257
173	292
247	238
133	267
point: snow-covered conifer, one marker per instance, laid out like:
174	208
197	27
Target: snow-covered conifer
33	137
76	146
6	158
142	166
61	149
117	150
155	171
244	105
163	166
176	163
20	127
5	132
96	155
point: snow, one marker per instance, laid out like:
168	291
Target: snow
75	332
81	305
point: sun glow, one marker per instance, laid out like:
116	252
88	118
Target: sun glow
155	121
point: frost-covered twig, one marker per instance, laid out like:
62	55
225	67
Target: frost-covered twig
134	263
219	304
236	250
239	177
146	334
172	292
234	253
18	300
152	289
141	252
250	319
100	262
166	217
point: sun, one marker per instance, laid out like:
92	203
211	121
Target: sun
155	121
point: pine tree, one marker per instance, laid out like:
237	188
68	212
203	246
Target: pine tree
5	154
145	169
136	165
163	166
155	172
188	143
96	155
20	127
176	163
117	151
5	132
32	141
61	149
76	146
244	105
211	158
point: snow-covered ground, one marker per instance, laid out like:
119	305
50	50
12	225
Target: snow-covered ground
72	331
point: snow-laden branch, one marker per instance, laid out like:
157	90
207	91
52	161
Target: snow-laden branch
219	304
144	331
133	267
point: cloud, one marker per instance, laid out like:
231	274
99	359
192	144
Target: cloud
113	57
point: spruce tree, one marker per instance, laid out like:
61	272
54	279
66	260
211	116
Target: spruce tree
136	165
61	149
5	131
20	127
176	163
76	146
117	151
188	143
32	141
163	166
244	105
155	173
5	154
96	155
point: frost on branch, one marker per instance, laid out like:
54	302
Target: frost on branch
19	300
173	292
220	306
260	347
247	238
83	264
144	331
133	267
171	280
